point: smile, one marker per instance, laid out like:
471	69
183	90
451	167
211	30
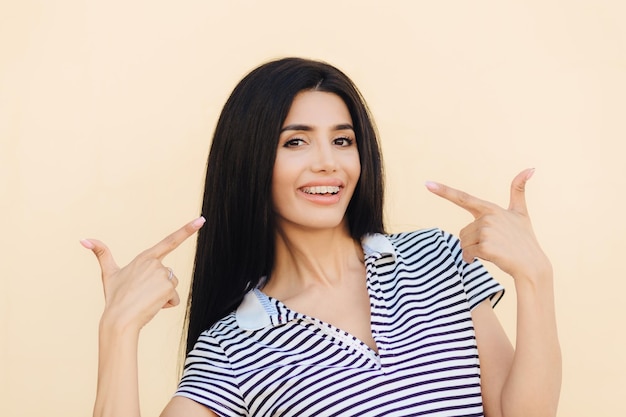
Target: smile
322	189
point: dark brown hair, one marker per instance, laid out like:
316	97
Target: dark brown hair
235	247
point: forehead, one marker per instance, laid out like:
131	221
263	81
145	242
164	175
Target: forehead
318	108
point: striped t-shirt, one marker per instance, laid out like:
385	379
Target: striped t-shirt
266	360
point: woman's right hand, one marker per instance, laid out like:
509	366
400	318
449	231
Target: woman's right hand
135	293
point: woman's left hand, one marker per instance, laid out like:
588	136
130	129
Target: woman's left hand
502	236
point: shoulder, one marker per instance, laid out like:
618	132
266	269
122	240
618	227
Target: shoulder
214	338
430	252
417	236
398	244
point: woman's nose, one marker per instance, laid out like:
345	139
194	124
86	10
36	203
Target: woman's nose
325	158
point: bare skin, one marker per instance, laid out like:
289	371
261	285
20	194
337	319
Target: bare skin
525	381
134	294
521	382
319	271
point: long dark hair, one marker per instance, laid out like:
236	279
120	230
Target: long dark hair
235	247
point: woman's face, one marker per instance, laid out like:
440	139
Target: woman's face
317	163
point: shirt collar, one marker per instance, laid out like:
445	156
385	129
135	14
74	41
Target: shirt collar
256	310
252	314
377	244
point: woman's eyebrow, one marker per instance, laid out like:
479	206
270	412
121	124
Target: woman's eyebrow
306	128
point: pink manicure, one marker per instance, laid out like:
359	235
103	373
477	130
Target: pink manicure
198	222
87	244
432	186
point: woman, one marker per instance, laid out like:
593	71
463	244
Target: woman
301	305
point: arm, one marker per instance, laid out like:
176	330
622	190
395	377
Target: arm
118	389
536	370
133	294
525	381
117	393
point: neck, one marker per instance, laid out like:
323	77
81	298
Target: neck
309	259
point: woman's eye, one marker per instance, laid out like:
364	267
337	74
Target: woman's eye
345	141
294	143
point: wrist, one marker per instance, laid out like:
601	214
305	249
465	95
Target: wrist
537	274
114	326
535	296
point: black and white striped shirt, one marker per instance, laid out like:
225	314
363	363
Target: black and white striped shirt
267	360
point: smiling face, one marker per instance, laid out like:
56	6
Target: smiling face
317	163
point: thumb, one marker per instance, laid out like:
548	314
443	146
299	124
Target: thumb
518	191
103	254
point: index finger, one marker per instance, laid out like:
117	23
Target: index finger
171	242
474	205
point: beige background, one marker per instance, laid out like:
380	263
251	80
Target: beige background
107	109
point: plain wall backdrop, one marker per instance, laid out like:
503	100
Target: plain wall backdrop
107	110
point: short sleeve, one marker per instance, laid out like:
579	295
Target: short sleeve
209	379
477	281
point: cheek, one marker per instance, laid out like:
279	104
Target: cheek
354	168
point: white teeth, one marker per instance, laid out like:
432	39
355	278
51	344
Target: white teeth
321	189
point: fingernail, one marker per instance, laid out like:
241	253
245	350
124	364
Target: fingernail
87	244
198	222
432	186
530	174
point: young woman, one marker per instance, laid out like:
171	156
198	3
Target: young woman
301	305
